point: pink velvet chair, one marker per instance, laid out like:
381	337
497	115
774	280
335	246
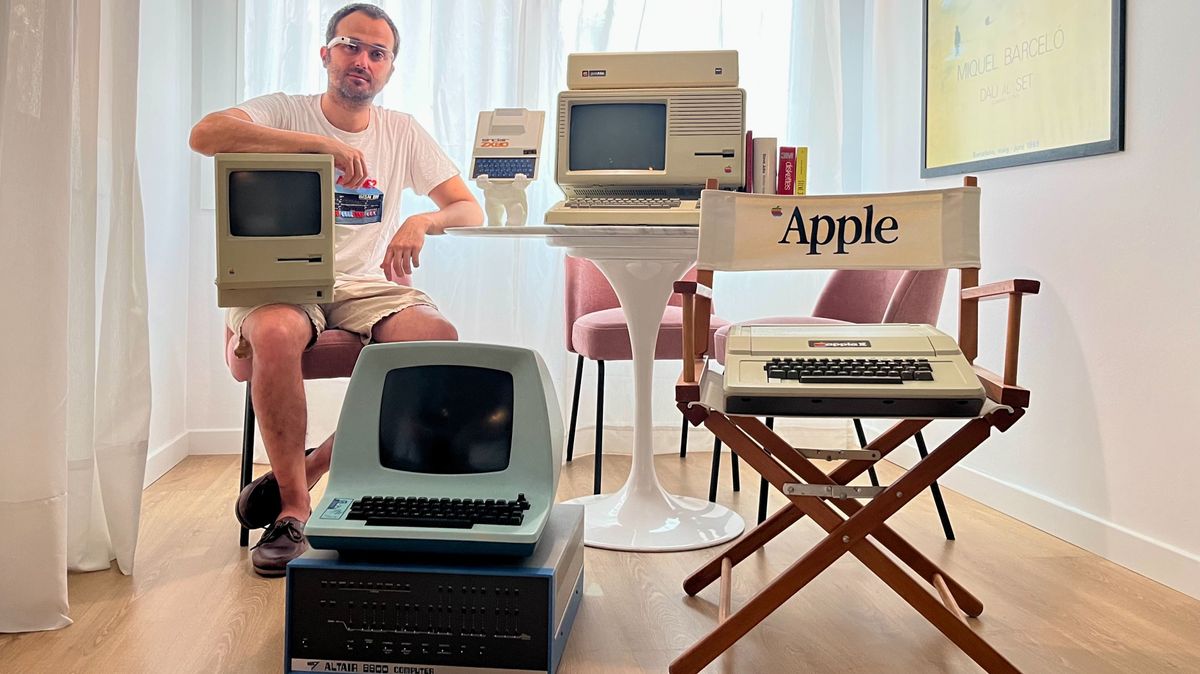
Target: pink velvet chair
333	356
857	296
596	329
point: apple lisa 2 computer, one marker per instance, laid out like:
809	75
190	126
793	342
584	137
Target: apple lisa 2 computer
437	544
275	229
638	134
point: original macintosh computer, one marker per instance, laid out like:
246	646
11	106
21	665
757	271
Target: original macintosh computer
275	228
638	134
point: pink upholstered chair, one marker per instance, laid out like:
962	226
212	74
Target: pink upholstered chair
596	329
333	356
857	296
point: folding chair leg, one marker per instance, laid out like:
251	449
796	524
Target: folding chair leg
683	439
599	425
756	538
862	443
806	471
844	536
247	457
574	408
715	471
937	493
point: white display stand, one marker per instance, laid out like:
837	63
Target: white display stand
504	201
642	263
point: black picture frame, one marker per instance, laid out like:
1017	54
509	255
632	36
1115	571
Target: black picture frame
1114	143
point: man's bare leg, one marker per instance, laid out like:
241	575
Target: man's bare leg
417	323
278	335
414	324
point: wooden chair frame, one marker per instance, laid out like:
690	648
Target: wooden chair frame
851	527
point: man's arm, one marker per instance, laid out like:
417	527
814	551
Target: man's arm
232	131
456	208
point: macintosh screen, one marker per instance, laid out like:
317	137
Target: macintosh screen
274	203
446	419
618	136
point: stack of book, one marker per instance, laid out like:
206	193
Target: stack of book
771	169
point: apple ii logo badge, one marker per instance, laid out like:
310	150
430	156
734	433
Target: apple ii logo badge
777	212
840	344
718	71
594	73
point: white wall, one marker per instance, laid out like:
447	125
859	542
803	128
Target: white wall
213	397
164	116
1107	452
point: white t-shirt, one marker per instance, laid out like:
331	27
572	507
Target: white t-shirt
399	154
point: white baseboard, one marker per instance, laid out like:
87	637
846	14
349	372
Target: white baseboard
164	458
216	441
1162	562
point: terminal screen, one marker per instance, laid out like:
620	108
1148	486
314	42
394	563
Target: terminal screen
446	419
274	203
618	137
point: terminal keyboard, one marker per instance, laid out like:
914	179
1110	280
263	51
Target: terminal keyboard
446	513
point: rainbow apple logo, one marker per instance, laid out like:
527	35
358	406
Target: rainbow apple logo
776	212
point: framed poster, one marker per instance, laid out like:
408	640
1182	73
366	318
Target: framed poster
1009	82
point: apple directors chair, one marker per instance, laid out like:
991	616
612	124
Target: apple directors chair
934	229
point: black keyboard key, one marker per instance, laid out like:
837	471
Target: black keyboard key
924	375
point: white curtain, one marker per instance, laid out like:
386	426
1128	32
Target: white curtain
800	63
75	404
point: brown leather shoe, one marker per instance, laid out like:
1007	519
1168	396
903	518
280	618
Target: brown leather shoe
282	542
259	504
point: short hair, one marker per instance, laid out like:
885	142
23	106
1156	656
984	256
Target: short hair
373	11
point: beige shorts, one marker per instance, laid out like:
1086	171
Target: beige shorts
356	307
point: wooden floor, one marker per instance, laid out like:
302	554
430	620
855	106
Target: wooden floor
194	605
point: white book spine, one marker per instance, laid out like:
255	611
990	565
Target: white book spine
765	160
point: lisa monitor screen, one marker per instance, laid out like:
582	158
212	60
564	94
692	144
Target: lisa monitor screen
618	137
446	420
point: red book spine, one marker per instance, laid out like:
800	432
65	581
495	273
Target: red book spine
786	181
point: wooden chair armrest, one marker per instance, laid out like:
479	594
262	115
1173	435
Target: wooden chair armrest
1001	388
1016	286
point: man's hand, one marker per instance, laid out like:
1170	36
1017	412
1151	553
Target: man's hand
404	251
349	160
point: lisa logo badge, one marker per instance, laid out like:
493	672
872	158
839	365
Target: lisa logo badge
777	212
